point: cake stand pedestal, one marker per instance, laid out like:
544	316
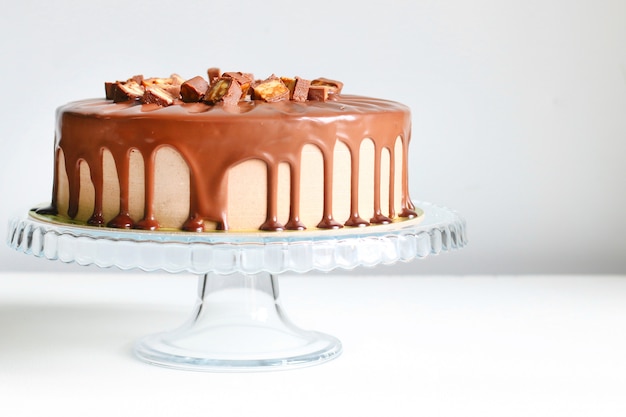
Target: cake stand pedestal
238	323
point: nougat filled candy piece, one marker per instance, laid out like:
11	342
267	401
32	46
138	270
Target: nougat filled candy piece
271	90
224	89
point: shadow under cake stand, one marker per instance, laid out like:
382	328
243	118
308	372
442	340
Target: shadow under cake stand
238	323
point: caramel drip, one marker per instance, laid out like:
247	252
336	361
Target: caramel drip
213	139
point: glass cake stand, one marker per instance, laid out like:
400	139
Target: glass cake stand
238	323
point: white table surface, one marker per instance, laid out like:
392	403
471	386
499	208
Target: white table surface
418	346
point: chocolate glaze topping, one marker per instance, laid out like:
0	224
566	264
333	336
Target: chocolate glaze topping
212	139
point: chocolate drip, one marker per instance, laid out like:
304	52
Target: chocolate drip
294	222
392	182
74	184
355	219
408	209
149	221
213	139
97	179
271	222
123	219
378	218
328	222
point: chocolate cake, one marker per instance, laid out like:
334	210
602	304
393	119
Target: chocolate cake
231	152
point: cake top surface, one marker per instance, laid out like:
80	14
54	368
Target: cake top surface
227	95
276	115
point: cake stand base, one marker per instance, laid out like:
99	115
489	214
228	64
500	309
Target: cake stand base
238	324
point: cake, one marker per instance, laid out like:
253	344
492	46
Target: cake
232	153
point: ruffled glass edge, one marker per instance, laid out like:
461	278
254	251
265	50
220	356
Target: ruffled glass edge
438	229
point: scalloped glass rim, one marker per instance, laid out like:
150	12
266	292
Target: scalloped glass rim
435	230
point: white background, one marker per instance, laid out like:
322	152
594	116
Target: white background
519	116
519	107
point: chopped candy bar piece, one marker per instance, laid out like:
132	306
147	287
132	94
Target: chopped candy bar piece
157	95
192	91
336	86
244	80
176	79
271	90
137	78
172	89
109	89
155	81
171	84
290	83
224	89
214	74
301	89
127	91
319	92
298	88
229	87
